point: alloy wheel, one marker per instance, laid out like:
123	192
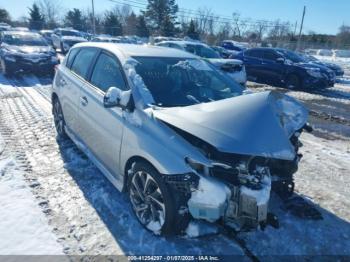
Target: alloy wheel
58	118
147	201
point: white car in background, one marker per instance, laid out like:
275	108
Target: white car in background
232	67
65	38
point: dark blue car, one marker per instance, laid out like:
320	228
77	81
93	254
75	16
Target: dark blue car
282	67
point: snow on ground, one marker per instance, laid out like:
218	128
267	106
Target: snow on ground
24	228
322	179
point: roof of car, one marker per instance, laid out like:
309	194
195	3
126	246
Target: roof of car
125	51
184	42
14	32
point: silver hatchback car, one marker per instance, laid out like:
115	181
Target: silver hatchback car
182	139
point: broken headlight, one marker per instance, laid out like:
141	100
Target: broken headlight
198	167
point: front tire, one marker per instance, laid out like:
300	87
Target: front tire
58	117
151	199
293	82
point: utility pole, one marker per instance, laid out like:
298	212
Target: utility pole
301	28
93	18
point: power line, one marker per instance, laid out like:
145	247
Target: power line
192	14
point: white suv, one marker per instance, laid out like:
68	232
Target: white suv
175	133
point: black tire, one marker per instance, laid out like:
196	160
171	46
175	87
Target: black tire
293	82
62	49
4	69
172	218
59	121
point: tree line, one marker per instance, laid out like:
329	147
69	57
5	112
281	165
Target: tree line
165	18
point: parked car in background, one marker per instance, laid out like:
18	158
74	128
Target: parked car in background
106	39
233	67
26	51
234	45
224	53
325	52
65	38
338	70
278	66
168	129
47	35
21	29
4	27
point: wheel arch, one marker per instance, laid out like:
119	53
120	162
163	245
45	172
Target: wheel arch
128	166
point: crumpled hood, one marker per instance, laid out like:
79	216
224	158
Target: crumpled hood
74	38
29	49
258	124
219	62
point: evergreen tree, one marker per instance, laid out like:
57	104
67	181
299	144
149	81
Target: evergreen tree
192	31
36	19
141	27
74	18
4	16
112	24
130	24
161	16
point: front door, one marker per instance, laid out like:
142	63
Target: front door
100	128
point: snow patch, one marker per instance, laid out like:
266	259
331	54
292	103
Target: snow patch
200	228
141	94
24	229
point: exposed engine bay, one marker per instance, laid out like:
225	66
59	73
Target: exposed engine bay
236	188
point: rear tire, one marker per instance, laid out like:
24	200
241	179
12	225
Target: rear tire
58	117
293	82
152	200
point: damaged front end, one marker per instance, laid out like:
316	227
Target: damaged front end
252	144
236	195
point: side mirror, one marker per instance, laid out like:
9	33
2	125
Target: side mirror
280	60
116	97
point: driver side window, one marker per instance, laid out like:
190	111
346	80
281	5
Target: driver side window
107	73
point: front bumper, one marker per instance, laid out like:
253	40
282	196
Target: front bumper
19	63
322	82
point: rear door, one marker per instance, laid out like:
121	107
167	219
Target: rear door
71	80
101	128
252	59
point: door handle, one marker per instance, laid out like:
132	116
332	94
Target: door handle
83	101
63	82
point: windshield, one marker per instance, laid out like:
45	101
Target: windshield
202	51
69	33
294	57
182	82
20	40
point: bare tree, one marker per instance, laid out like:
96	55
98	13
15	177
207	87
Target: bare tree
51	9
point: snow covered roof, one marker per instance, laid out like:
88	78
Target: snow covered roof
125	51
184	43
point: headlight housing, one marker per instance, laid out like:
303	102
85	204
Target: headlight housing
196	166
314	72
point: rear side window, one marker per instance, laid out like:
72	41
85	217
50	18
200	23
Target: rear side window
254	53
82	61
107	73
72	54
270	55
